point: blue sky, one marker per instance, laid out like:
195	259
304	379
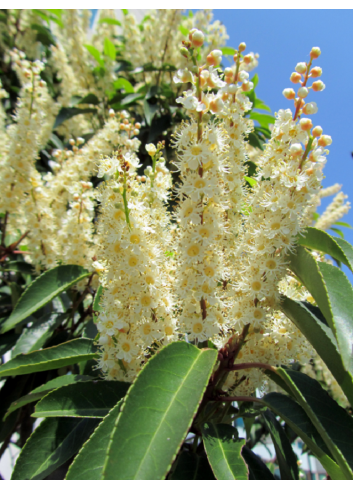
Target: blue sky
283	38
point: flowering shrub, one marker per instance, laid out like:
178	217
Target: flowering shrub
162	258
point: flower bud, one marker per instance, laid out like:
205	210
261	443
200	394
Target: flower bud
318	86
325	140
310	108
301	68
216	105
295	77
247	86
147	171
72	142
295	149
184	52
306	124
315	53
249	58
214	58
228	72
317	131
289	93
137	125
151	149
80	141
316	71
197	39
111	113
242	47
191	33
243	76
303	92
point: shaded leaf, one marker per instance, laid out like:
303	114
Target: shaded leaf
89	99
223	449
43	290
157	412
150	110
295	416
263	119
65	354
91	399
333	423
258	470
191	466
44	389
259	104
322	338
286	458
69	112
53	443
109	49
7	341
35	336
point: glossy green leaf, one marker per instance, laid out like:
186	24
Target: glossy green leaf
333	423
250	181
88	465
110	21
223	449
337	231
53	443
150	110
123	83
333	294
295	416
157	412
35	336
92	399
263	119
227	51
43	290
44	389
343	224
65	354
322	338
19	266
109	49
259	104
190	466
96	303
7	341
89	99
338	248
95	53
257	468
286	458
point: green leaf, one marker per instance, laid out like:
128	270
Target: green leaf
227	51
338	231
109	49
259	104
286	458
255	80
88	465
184	30
35	336
110	21
344	224
96	307
263	119
19	266
322	338
191	466
250	181
7	341
333	294
53	443
132	98
65	354
92	399
331	421
44	389
43	290
157	412
257	469
95	53
67	113
123	83
295	416
150	110
89	99
125	11
319	240
56	11
44	34
223	449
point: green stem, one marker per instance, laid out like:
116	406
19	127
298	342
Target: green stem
307	150
126	210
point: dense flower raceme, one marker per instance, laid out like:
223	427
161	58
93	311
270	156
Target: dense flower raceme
214	265
231	242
